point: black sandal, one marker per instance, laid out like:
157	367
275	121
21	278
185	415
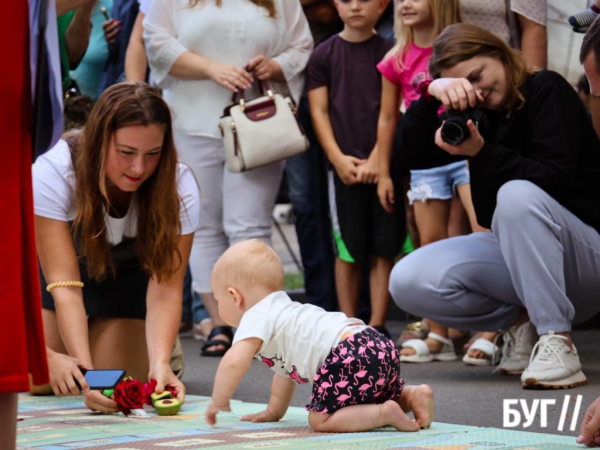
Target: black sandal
227	331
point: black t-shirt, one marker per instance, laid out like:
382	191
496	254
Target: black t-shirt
550	142
349	70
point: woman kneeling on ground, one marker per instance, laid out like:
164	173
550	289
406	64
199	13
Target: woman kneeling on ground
534	181
115	215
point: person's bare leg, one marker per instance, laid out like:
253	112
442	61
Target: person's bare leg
213	311
54	342
419	400
379	285
464	192
357	418
128	336
8	420
347	283
410	214
432	221
458	222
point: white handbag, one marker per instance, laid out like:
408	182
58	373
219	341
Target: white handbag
260	131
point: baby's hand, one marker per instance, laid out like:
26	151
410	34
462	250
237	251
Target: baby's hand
263	416
212	410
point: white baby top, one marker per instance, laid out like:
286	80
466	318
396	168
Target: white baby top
296	337
54	195
234	33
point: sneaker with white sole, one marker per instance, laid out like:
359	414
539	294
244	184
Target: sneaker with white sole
553	365
517	347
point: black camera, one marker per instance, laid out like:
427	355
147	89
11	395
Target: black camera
455	130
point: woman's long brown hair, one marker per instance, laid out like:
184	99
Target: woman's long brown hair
269	5
157	200
461	42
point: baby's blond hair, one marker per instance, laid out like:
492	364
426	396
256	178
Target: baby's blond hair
248	265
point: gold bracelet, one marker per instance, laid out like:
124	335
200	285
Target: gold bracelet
51	286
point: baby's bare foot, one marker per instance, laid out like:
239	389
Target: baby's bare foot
419	400
398	418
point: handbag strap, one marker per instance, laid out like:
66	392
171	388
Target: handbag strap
263	86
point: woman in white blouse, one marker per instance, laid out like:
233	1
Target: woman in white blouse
197	50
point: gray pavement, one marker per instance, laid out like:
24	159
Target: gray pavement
464	394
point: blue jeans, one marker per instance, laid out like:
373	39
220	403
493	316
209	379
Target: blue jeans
307	181
193	308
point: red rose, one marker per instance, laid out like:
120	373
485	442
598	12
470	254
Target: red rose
149	389
172	390
129	394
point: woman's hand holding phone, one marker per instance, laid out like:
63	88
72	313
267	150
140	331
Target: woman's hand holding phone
64	370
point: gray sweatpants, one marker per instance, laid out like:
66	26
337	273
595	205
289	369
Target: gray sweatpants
539	256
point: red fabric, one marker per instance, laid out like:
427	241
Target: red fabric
22	348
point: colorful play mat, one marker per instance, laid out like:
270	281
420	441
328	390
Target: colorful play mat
52	423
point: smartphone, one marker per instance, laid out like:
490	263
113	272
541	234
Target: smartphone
102	379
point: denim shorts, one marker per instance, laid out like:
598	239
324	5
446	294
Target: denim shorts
439	183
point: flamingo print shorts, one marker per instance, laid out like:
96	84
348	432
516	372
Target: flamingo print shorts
363	369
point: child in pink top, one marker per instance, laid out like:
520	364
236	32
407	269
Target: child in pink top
435	176
408	75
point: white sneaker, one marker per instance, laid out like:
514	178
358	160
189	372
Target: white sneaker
553	365
516	351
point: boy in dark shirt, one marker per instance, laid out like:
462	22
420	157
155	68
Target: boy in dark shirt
345	93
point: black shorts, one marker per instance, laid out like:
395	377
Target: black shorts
361	226
372	366
123	296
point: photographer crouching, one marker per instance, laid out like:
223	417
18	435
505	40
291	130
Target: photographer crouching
534	168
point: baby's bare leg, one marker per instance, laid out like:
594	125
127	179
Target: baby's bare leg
363	418
419	400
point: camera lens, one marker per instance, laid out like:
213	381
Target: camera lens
454	133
